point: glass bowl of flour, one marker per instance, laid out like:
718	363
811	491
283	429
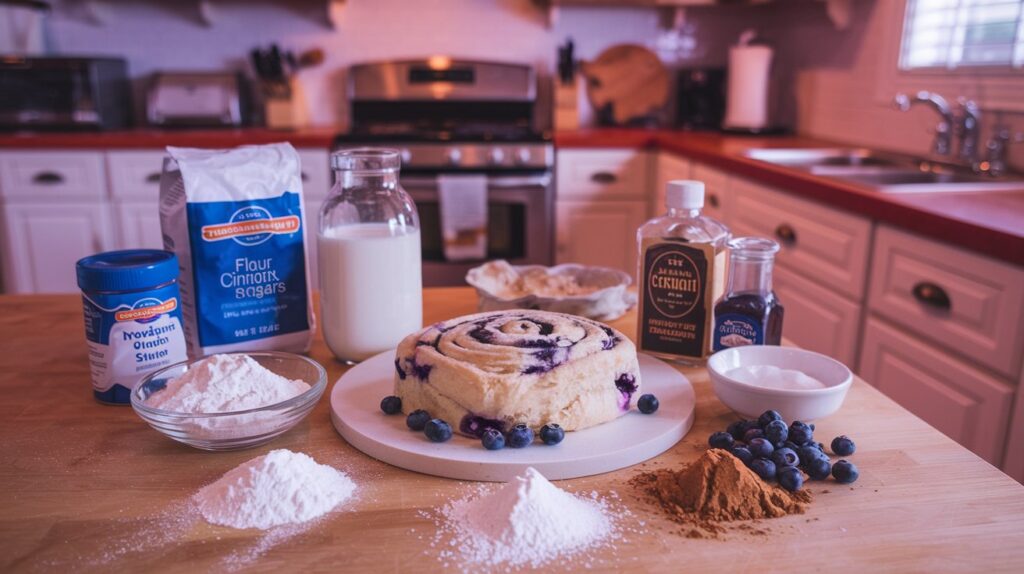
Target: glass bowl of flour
230	401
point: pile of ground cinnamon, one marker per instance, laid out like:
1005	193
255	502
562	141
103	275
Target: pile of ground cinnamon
715	490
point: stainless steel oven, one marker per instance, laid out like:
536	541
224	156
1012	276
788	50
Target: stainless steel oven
449	117
519	223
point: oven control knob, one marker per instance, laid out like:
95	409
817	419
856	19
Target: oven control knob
405	155
497	156
523	156
454	156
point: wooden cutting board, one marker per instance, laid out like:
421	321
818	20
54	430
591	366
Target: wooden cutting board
626	83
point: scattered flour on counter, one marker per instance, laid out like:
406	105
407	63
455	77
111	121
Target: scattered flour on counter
280	487
526	523
225	383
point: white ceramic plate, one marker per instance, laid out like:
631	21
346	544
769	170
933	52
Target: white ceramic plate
628	440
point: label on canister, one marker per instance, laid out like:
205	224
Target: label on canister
130	335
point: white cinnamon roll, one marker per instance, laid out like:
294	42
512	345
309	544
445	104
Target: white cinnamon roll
498	369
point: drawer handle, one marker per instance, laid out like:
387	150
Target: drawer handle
604	177
153	177
932	295
786	234
303	176
48	178
713	200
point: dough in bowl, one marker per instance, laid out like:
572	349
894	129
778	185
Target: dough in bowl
501	368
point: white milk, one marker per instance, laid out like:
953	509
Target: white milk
371	290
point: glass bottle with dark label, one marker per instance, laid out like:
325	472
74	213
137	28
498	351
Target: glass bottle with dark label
750	313
682	274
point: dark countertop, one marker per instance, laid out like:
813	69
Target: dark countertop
990	223
158	138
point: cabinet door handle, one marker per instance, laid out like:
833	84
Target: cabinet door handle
713	200
153	177
786	233
604	177
932	295
48	178
303	176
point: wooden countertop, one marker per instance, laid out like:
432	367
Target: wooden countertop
989	223
80	481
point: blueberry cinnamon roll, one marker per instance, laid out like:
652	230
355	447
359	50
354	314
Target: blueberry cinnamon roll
501	368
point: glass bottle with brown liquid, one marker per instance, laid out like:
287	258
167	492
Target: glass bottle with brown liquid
681	275
750	313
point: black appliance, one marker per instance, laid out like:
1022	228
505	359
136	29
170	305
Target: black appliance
56	93
700	98
449	116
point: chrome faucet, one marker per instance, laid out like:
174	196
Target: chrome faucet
968	128
944	129
995	156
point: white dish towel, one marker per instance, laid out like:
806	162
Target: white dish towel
463	206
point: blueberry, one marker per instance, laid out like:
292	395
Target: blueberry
437	430
742	453
736	429
751	434
746	425
551	434
843	446
800	433
760	447
845	471
789	444
721	440
819	446
492	439
767	417
763	468
647	404
391	405
785	457
808	453
776	432
520	436
819	468
417	419
791	478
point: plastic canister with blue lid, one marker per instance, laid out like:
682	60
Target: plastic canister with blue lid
133	322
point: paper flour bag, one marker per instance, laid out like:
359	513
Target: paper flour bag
235	219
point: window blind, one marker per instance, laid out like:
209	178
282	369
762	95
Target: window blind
953	34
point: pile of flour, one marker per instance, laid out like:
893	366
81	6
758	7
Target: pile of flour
527	522
225	383
280	487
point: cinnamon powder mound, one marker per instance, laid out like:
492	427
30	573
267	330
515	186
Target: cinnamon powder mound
717	489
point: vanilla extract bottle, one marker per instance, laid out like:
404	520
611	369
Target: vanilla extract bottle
681	275
750	313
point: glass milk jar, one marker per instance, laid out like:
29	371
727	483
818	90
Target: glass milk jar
371	291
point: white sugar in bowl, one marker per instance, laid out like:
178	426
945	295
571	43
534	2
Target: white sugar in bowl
751	399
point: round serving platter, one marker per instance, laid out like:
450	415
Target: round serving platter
628	440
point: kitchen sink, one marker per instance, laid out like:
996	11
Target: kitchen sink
884	172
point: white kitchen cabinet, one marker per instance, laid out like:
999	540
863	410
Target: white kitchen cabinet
135	174
969	303
42	242
717	199
599	232
668	167
826	245
816	318
138	225
967	404
612	174
315	169
52	176
1013	462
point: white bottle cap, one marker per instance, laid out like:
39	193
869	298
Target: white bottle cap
684	194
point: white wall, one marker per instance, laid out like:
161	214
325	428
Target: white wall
164	35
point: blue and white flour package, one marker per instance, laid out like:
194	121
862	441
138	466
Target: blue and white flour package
235	218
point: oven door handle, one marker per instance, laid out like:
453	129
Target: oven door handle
496	182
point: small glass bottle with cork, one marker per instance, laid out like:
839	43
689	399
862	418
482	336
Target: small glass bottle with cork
682	274
750	312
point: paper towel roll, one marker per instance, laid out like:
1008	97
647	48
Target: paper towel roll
747	101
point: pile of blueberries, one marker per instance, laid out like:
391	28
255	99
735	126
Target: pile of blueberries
774	450
520	436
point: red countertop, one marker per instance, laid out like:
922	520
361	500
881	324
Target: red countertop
989	223
158	138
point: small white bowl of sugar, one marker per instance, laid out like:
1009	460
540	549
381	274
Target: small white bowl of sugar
801	385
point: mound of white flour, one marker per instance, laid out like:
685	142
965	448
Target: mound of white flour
527	522
280	487
225	383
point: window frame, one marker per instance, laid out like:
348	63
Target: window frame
995	88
